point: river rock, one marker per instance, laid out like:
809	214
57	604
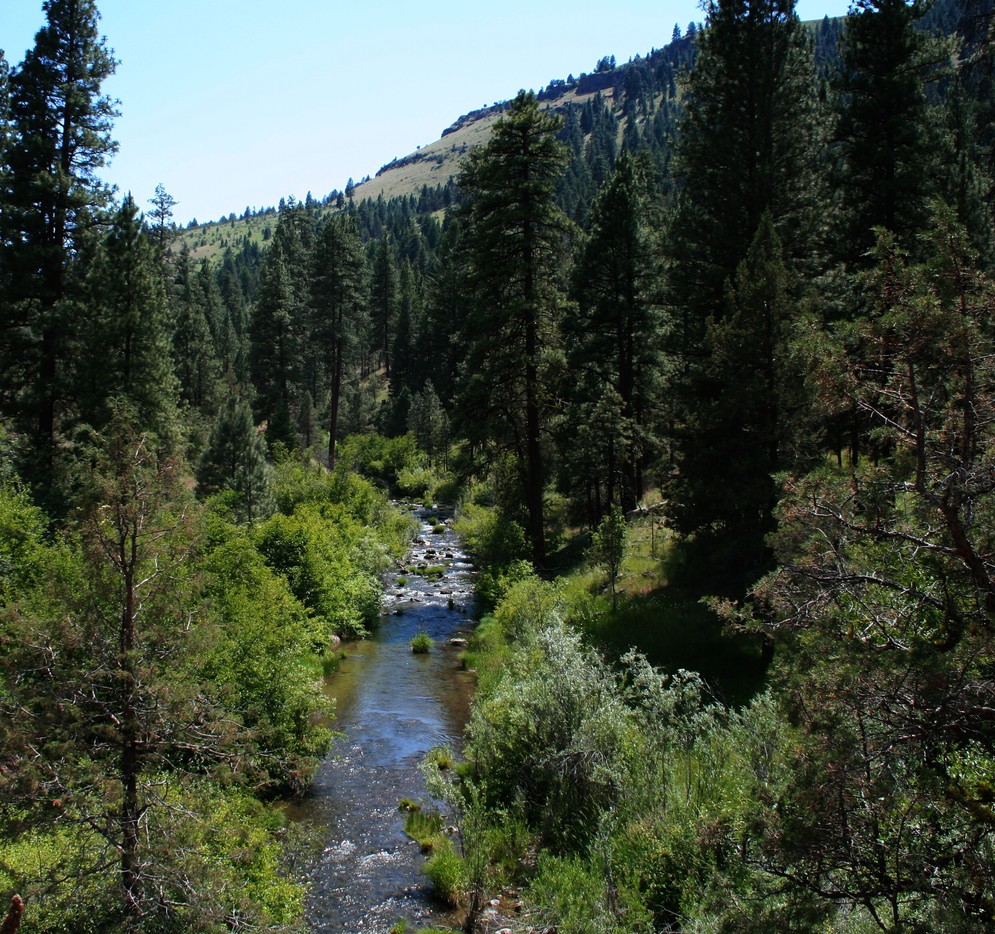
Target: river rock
457	641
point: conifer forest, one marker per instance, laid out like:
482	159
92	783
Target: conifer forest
698	350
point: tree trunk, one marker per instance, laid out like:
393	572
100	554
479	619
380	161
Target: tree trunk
12	922
334	401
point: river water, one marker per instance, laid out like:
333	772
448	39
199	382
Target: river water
393	706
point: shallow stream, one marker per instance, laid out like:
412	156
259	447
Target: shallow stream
393	706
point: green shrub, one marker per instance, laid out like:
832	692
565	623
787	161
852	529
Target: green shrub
425	828
494	583
331	564
447	490
265	660
224	845
441	757
579	897
416	483
381	458
447	873
494	540
421	644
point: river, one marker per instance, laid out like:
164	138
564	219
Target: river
392	707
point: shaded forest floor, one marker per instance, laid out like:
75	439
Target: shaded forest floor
668	624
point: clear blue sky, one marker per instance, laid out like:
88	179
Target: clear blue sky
236	103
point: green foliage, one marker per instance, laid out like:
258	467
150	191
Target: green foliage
579	897
494	540
235	461
330	562
421	644
179	632
23	551
429	423
379	458
226	861
646	799
547	734
885	598
265	662
447	873
424	827
498	545
608	547
441	758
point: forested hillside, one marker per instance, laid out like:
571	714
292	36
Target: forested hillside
701	348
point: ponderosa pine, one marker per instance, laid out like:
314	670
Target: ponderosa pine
58	138
748	149
338	310
514	236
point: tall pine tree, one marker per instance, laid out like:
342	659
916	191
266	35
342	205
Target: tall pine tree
612	334
339	297
886	170
748	149
125	346
514	237
58	139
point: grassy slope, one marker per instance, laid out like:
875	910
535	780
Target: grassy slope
436	163
431	165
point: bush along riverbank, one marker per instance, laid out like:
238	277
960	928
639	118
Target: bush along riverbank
162	667
600	791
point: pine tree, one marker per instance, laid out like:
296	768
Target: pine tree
339	297
749	142
125	346
429	423
235	459
384	300
273	349
613	331
4	116
748	148
162	226
404	338
194	359
514	236
608	547
119	713
887	170
748	423
58	139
